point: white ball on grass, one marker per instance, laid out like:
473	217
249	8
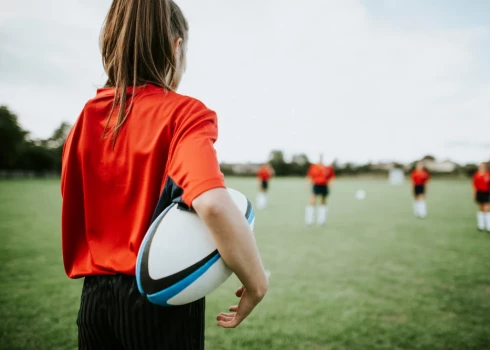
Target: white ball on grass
360	194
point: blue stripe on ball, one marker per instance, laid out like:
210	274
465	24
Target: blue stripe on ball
162	298
251	216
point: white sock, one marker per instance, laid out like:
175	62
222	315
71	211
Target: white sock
321	215
423	208
309	214
487	219
416	208
480	219
261	200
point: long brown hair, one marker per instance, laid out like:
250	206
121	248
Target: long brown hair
137	44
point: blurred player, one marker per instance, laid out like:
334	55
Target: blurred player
320	175
419	178
481	184
264	174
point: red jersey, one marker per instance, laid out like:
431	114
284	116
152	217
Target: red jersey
481	181
321	174
419	177
264	173
164	153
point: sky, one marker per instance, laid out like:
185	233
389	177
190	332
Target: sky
359	81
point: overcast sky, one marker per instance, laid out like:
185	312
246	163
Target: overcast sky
357	80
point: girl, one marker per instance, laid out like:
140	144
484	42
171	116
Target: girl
264	174
320	176
136	147
419	178
481	184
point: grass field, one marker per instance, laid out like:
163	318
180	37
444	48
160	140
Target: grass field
374	278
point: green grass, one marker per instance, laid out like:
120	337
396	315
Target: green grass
374	278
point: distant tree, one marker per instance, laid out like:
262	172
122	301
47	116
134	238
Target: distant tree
365	168
19	152
12	139
300	159
56	142
276	159
59	136
299	165
469	169
226	169
429	157
36	158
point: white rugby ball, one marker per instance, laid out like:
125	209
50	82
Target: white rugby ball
178	262
360	194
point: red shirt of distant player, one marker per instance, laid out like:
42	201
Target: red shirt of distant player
320	174
419	177
481	181
163	154
264	173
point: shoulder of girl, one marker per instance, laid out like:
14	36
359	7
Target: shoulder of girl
192	102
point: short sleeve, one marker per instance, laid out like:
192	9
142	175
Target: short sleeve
193	163
65	159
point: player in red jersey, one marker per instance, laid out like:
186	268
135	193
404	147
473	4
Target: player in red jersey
264	174
136	148
419	178
481	184
320	176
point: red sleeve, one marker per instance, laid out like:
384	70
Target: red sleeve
310	171
64	160
193	164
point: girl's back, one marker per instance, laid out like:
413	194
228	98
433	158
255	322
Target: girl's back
166	142
137	147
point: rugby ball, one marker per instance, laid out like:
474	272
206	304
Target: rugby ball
178	262
360	194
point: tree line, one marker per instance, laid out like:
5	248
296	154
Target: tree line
299	164
20	152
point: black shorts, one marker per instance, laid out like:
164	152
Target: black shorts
114	315
418	189
265	184
320	190
482	197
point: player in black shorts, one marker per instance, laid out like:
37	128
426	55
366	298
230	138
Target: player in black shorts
320	175
419	178
481	184
264	174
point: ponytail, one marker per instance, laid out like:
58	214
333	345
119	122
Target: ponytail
137	44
